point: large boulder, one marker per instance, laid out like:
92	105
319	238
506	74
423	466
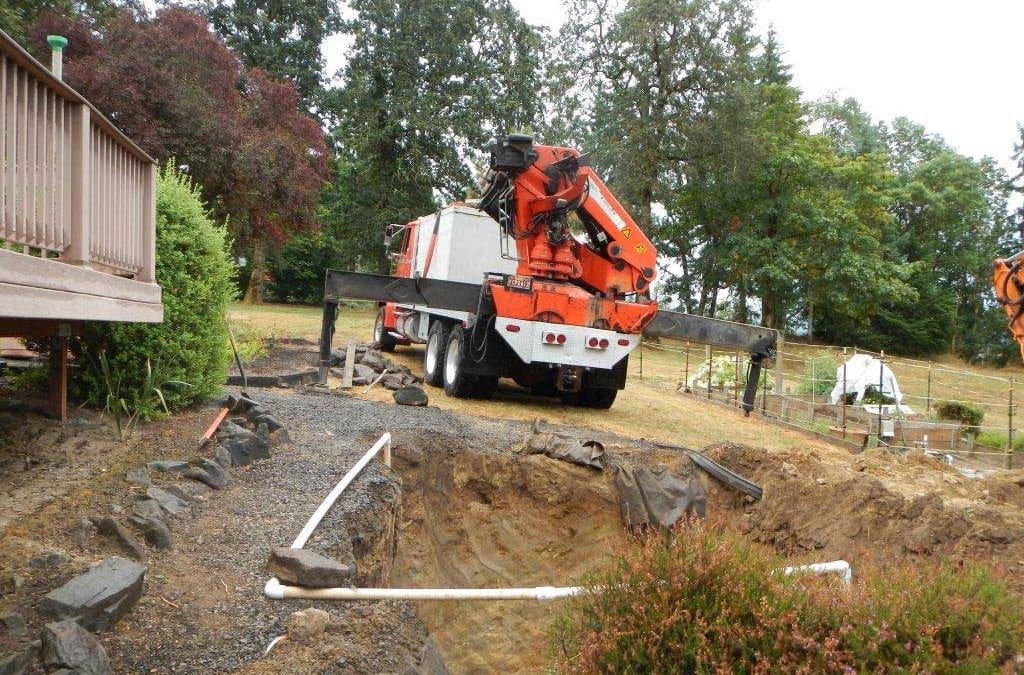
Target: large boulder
299	567
68	645
410	396
100	597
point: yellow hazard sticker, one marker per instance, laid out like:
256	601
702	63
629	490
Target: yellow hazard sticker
640	248
626	231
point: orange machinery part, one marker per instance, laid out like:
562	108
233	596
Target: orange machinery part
1008	280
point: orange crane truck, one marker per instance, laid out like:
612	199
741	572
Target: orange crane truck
545	279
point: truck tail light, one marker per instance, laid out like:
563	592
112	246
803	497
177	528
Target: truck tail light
603	344
623	342
512	328
594	342
554	338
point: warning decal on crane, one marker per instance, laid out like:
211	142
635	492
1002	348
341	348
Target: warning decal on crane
594	192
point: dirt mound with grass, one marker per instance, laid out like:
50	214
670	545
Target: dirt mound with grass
873	509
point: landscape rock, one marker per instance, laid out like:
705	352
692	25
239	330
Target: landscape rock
262	431
280	438
68	645
299	567
244	446
138	476
273	424
173	505
168	466
222	457
131	545
306	625
82	532
190	491
392	381
411	396
100	597
20	661
13	624
49	560
155	531
9	581
209	472
373	360
364	371
148	508
361	381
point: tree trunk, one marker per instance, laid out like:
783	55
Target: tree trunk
254	293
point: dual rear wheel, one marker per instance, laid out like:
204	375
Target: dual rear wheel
444	363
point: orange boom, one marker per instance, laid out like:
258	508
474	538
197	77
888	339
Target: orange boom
1009	284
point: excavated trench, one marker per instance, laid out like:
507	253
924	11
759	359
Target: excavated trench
472	519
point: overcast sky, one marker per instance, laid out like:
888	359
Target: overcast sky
953	66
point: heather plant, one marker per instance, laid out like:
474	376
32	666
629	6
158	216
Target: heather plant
706	601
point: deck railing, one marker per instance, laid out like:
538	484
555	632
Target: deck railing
72	186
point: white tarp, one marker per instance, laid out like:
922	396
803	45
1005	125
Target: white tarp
863	371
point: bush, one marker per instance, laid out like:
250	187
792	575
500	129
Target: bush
964	413
704	601
298	270
996	439
194	270
819	376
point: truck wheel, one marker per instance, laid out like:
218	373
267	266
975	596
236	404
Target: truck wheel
457	382
381	335
433	354
485	386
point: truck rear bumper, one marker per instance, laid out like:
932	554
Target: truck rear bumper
571	346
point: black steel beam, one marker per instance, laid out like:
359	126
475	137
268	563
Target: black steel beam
715	332
436	293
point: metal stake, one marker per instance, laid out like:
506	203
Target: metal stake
1009	432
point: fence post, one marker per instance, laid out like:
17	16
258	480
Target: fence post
779	341
686	368
813	380
928	397
764	395
1009	432
881	380
707	351
80	187
148	271
736	382
843	399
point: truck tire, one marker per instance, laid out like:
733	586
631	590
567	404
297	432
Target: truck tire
591	397
381	336
434	353
457	382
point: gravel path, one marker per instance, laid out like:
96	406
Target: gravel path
204	610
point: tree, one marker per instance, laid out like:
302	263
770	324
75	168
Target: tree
18	16
426	88
281	37
177	90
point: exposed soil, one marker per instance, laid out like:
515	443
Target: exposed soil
283	355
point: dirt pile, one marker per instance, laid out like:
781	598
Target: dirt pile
869	511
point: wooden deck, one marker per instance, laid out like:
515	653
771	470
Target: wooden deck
77	214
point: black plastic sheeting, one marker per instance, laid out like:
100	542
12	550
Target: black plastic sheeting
657	498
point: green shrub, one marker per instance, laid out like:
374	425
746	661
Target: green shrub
819	376
964	413
703	601
194	269
997	439
297	274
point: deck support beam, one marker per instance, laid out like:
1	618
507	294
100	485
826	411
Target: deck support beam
58	379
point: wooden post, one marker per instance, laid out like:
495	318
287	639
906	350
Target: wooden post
641	358
326	337
350	363
148	271
736	382
707	351
813	382
58	378
79	247
843	399
779	340
1009	431
686	368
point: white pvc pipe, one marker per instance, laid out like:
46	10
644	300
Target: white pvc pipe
318	515
275	590
840	567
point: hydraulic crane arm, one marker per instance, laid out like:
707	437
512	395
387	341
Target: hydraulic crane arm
1008	279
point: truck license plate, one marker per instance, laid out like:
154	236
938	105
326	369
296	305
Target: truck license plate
519	282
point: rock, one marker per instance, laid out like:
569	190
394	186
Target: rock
131	545
430	661
50	560
19	662
190	491
174	506
373	360
100	597
243	405
299	567
392	381
226	401
68	645
209	472
306	625
9	581
138	476
222	457
155	530
364	371
244	446
148	508
273	424
280	438
13	624
410	396
788	469
168	466
263	431
360	381
82	532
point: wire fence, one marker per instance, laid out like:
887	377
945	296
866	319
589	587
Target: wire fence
795	391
